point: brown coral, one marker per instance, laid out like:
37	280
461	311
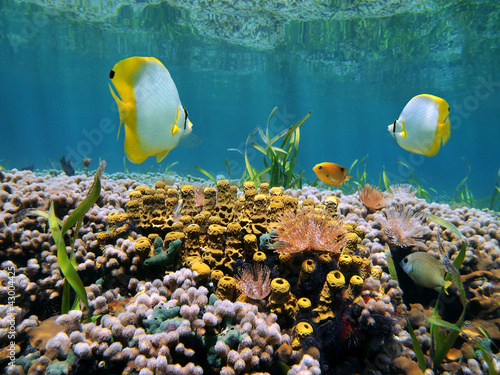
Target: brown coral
253	279
402	225
308	229
372	197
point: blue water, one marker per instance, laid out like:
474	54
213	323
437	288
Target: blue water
356	74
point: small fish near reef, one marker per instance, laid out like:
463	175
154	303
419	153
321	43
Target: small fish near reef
331	173
425	270
423	125
149	105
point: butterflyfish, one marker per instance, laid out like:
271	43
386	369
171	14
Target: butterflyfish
331	173
423	125
425	270
149	106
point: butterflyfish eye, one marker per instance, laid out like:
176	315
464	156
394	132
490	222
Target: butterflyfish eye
111	74
405	260
320	167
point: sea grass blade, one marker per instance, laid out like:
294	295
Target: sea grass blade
66	296
443	347
228	169
291	166
386	180
87	203
443	323
416	347
206	173
390	263
67	268
487	358
444	223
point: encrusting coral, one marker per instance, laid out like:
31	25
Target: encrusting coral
248	279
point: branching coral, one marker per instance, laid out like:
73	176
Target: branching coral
308	229
402	225
372	197
253	279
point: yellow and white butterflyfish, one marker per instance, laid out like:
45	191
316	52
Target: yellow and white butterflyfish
149	106
423	125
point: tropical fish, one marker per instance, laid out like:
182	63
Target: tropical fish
149	105
423	125
425	270
331	173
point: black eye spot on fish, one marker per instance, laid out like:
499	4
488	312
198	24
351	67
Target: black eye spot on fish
320	167
449	109
111	74
405	260
394	126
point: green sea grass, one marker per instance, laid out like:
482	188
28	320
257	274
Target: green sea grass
279	160
71	277
443	340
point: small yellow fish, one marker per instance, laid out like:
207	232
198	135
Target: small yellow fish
149	105
331	173
425	270
423	125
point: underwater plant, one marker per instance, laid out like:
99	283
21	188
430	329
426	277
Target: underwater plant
58	229
463	195
496	190
413	180
307	229
402	225
210	176
358	179
3	164
442	341
279	162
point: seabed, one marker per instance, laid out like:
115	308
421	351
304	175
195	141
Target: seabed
185	278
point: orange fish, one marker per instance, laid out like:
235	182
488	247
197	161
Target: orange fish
331	173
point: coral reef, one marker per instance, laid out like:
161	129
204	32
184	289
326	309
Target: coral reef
182	279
